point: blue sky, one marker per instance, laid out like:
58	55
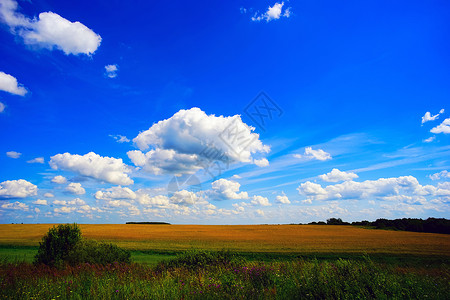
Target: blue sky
113	112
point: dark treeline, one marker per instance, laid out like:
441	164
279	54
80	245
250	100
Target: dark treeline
149	223
435	225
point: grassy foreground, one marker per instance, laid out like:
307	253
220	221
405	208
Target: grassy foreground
207	275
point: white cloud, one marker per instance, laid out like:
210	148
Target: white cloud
40	202
314	154
428	117
109	169
59	179
13	154
37	160
120	138
444	127
184	197
430	139
158	200
336	175
261	162
65	209
75	188
59	202
76	201
50	30
224	189
9	84
273	13
183	141
383	189
260	212
442	174
49	195
15	206
116	192
2	107
17	189
282	199
260	200
111	71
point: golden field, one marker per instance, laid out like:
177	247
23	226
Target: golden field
247	238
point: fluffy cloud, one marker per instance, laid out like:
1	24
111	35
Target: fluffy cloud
59	179
2	107
65	209
15	206
158	200
282	199
442	174
428	117
260	200
314	154
444	127
50	31
49	195
116	192
40	202
120	138
224	189
13	154
336	175
273	13
383	188
184	197
17	189
109	169
182	143
429	140
37	160
75	188
111	71
9	84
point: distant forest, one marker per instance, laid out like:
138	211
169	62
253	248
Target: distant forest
433	225
149	223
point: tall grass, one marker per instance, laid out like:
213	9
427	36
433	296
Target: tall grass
221	275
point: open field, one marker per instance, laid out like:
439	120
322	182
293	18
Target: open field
300	239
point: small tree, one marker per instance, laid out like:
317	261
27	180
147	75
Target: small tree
57	244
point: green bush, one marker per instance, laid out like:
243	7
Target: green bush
57	244
63	244
197	259
93	252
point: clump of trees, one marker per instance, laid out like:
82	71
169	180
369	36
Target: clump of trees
64	244
433	225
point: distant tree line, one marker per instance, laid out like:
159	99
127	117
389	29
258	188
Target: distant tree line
434	225
149	223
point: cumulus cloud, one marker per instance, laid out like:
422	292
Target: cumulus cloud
9	84
75	188
40	202
260	200
224	189
428	117
59	179
15	206
120	138
282	199
158	200
2	107
111	71
109	169
13	154
444	127
17	189
273	13
37	160
260	212
65	209
50	30
314	154
383	189
49	195
180	144
429	140
116	192
336	175
184	197
443	174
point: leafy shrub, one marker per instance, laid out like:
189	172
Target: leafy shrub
64	244
57	244
196	259
93	252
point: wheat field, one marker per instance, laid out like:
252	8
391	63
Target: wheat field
247	238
